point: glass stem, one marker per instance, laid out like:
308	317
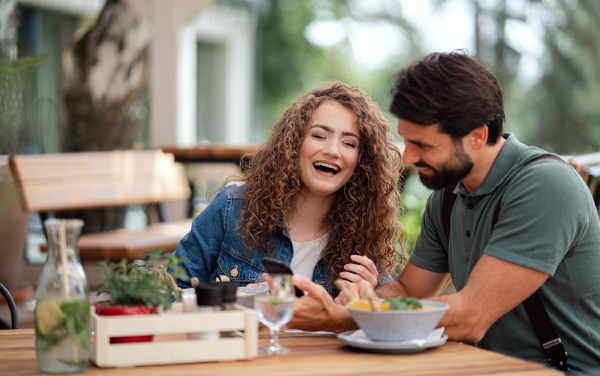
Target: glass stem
274	341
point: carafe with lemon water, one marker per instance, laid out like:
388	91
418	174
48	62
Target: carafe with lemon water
62	327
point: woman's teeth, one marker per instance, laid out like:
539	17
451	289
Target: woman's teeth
326	167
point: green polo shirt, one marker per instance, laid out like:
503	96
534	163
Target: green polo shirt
548	222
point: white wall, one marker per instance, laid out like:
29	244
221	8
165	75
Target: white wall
235	29
178	26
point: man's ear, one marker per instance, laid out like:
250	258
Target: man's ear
477	138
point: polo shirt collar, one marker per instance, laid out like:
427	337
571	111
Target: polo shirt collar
513	153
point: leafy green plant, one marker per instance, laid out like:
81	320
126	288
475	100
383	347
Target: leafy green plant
415	199
150	283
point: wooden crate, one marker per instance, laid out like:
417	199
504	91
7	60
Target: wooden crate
171	344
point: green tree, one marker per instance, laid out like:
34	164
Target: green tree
289	64
285	57
565	100
559	112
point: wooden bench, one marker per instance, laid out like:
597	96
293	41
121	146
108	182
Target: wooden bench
56	182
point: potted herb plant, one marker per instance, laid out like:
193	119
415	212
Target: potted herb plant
139	288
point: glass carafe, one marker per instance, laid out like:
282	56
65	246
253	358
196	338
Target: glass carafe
62	317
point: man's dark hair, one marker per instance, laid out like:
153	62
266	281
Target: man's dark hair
456	89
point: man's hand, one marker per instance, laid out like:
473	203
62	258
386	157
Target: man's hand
317	311
363	268
494	288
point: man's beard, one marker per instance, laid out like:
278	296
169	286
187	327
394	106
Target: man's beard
449	174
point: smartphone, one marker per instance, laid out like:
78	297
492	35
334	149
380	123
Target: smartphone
275	266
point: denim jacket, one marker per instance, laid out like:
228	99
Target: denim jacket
214	246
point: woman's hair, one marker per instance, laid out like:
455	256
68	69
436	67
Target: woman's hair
363	219
455	89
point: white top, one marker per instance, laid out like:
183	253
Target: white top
306	256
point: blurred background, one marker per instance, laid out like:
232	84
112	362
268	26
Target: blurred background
95	75
155	72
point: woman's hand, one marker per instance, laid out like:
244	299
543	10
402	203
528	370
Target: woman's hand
317	311
363	269
359	290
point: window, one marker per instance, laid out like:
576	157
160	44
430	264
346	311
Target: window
211	99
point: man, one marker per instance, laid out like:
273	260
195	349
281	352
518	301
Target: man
546	235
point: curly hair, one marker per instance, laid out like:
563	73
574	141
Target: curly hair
363	219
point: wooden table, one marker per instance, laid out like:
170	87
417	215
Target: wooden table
53	183
313	354
214	153
122	243
210	153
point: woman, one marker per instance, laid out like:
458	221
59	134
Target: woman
321	194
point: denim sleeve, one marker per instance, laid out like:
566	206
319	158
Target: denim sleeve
201	246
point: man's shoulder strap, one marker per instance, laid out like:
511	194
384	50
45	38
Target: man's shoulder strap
545	156
450	199
551	342
447	205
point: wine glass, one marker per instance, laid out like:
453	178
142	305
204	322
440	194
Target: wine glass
274	302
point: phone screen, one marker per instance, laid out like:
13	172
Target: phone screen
275	266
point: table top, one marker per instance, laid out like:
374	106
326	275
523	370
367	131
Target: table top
120	243
313	354
214	153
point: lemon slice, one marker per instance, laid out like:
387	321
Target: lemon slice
383	305
360	304
48	315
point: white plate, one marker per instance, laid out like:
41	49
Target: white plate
361	341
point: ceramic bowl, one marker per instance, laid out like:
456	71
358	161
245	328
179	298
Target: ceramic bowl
245	296
400	325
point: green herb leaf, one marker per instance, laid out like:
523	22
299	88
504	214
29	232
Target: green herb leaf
150	283
404	304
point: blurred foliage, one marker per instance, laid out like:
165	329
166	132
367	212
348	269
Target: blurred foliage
558	111
565	100
13	67
415	197
289	64
15	85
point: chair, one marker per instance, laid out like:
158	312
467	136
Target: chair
588	166
55	182
13	309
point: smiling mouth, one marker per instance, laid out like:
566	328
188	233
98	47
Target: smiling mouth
325	167
422	167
